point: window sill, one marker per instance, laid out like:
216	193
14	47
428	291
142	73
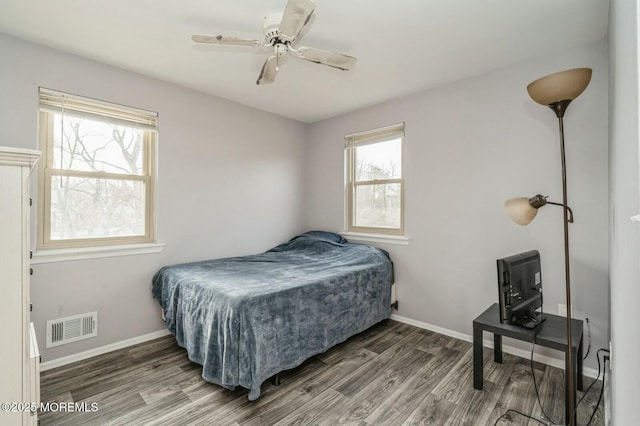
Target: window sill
71	254
376	238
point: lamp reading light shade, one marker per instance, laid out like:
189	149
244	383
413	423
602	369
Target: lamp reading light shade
523	210
520	211
561	86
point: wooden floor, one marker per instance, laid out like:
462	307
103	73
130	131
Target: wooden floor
392	374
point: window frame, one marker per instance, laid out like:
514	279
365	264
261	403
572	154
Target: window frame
47	170
372	137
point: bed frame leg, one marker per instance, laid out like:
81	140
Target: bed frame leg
275	380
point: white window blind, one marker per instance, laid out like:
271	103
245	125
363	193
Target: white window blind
375	136
81	107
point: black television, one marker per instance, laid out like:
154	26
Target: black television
520	289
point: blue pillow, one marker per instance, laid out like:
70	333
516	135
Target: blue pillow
325	235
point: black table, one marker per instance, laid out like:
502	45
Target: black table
552	333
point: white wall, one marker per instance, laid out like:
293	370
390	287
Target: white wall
470	146
231	181
624	202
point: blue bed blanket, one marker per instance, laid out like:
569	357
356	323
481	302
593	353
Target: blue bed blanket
245	319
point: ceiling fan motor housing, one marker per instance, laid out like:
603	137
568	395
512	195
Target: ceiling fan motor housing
271	27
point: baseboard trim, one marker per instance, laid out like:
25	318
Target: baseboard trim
81	356
554	362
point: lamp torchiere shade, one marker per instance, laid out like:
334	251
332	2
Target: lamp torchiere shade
561	86
520	210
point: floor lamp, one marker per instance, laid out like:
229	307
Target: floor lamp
556	91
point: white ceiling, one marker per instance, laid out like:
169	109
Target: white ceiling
402	46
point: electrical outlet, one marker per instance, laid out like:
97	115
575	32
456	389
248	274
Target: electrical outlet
562	310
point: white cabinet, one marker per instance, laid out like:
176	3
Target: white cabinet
18	381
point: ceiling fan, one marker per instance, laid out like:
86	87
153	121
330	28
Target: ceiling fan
281	31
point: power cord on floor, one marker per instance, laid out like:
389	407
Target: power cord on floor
604	374
511	410
597	377
588	338
535	385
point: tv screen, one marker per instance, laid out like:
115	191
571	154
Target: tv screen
520	288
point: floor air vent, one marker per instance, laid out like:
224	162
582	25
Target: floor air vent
71	329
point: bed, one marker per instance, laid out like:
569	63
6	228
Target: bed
245	319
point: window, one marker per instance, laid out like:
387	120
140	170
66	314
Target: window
96	173
375	182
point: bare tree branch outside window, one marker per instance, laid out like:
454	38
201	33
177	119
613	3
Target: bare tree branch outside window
98	193
376	200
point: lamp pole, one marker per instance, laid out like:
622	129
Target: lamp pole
559	108
557	91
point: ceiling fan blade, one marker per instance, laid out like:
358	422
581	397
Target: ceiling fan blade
319	56
295	15
231	41
269	71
